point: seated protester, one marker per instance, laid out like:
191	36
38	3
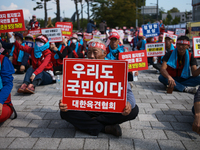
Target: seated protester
59	52
80	38
41	72
168	48
175	70
20	58
29	38
114	48
196	112
95	122
76	46
6	85
160	38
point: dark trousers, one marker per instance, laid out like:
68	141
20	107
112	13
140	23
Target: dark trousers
181	83
18	68
94	122
43	78
57	68
157	66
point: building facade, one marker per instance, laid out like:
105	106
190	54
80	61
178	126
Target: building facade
196	10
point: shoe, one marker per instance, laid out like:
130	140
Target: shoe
114	130
30	89
22	88
192	90
150	67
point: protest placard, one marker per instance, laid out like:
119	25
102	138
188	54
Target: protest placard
137	60
140	32
30	44
103	36
87	37
11	21
54	34
34	32
170	32
174	38
95	85
155	49
151	30
196	46
66	27
180	32
96	36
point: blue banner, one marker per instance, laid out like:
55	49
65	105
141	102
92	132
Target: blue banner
30	44
151	30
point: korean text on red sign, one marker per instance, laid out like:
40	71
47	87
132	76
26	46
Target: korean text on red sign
155	49
196	46
34	32
66	27
54	34
11	21
137	60
95	85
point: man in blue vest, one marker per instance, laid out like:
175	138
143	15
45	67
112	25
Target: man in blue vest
175	70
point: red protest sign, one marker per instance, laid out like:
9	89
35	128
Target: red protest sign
11	21
170	32
87	36
66	27
95	85
34	32
137	60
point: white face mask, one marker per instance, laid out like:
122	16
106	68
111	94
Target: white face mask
74	41
39	44
79	37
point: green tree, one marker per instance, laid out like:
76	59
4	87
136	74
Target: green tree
115	12
173	10
168	19
176	20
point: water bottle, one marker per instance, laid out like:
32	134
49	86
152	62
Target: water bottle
58	82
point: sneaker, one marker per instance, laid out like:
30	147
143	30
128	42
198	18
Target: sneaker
114	130
150	67
22	88
192	90
30	89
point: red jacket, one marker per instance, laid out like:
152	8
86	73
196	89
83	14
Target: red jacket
177	72
57	62
15	56
39	64
34	25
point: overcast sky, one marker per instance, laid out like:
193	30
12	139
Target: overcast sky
68	7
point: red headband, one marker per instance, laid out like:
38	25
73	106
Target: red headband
183	42
42	38
97	45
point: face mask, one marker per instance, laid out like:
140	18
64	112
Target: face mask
79	37
39	44
74	41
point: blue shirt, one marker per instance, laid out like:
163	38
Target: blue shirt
130	96
7	70
89	27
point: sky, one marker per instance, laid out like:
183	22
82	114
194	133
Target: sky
67	7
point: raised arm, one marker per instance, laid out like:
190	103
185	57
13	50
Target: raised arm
23	48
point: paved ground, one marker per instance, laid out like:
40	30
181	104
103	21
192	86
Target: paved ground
164	121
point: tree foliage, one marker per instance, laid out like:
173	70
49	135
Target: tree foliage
115	12
173	10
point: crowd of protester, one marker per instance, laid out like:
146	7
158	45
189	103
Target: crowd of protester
41	63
